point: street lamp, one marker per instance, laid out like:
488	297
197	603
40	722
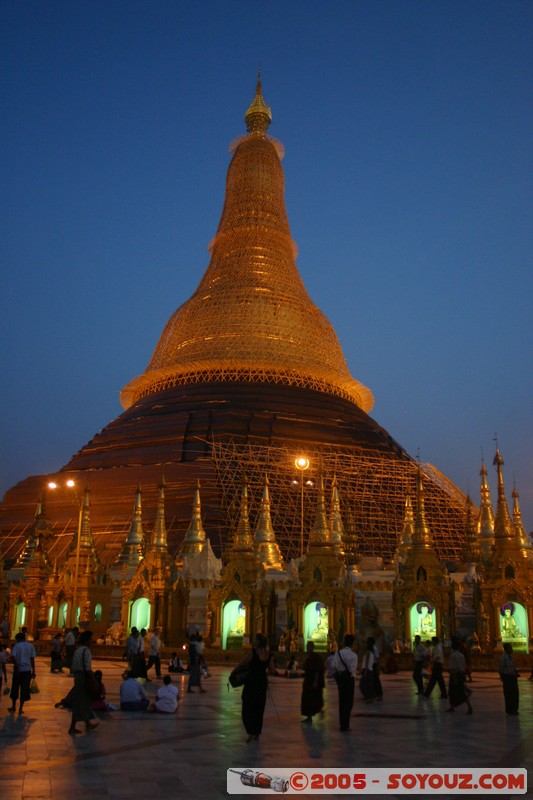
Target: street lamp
301	463
73	610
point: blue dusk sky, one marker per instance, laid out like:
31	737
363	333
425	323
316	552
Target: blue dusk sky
408	129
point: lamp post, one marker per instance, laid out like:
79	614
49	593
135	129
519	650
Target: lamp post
301	463
72	611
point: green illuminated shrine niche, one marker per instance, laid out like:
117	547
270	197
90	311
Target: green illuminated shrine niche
62	615
233	625
513	626
20	617
140	613
423	621
316	625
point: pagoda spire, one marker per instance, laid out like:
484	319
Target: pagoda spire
243	533
39	530
258	116
406	536
159	535
87	546
132	549
421	533
520	531
503	526
265	544
320	537
471	549
485	525
336	523
195	538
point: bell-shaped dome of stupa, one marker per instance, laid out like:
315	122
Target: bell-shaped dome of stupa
251	319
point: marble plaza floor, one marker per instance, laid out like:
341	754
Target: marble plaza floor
186	755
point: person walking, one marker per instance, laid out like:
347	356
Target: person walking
70	645
255	688
345	666
56	654
154	653
23	660
81	665
134	647
419	655
367	672
195	663
458	693
509	679
437	665
313	686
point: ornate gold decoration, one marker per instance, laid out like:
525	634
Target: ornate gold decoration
194	541
265	544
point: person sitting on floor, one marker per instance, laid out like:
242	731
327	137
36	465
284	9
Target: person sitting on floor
175	664
166	701
132	694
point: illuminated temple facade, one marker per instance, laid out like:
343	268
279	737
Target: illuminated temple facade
245	487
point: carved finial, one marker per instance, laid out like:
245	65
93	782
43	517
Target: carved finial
258	116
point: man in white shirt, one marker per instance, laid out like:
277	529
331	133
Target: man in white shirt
437	663
23	658
345	669
166	701
154	652
132	695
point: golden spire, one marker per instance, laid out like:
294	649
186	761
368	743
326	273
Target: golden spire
258	116
159	535
421	532
132	549
518	525
406	537
320	538
471	549
335	520
265	544
86	533
503	526
250	319
195	538
485	525
243	533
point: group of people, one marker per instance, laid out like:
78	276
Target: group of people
135	652
343	667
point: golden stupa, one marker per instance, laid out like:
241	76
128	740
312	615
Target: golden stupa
248	374
251	318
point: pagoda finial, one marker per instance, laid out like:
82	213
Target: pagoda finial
243	534
485	525
258	116
502	521
265	544
159	535
520	531
335	519
320	533
195	538
406	537
421	532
